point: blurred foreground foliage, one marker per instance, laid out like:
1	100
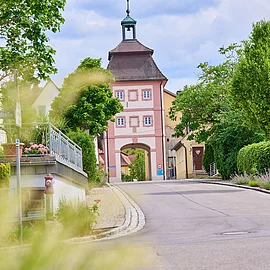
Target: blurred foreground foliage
46	250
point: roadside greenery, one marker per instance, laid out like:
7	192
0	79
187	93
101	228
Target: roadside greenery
228	108
4	175
77	218
47	250
254	158
253	180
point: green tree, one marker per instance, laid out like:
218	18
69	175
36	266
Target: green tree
137	166
24	26
86	100
204	105
251	80
207	108
229	137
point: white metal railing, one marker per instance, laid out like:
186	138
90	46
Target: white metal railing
64	149
213	169
60	146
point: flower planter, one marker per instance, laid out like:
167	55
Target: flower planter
10	149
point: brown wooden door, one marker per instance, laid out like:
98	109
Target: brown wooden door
197	153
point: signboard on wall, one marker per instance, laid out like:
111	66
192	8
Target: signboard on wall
6	114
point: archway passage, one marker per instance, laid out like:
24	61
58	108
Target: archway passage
129	154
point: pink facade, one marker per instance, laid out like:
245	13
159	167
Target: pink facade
142	134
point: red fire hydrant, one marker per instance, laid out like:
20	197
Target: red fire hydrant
49	184
49	190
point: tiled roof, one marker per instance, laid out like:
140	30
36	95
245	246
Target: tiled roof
125	161
132	61
130	46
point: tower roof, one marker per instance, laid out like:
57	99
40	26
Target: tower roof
130	46
132	61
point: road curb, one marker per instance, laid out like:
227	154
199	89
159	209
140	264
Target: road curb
233	185
134	220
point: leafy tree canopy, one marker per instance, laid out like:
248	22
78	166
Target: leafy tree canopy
86	100
251	80
205	104
24	25
207	108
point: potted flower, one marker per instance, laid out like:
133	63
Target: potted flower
9	149
36	149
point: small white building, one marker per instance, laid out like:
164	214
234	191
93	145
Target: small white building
44	100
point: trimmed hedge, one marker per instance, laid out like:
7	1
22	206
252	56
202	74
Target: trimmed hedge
254	158
4	175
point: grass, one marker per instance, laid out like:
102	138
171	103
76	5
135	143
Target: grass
265	185
257	180
242	179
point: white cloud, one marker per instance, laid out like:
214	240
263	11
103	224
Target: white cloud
181	34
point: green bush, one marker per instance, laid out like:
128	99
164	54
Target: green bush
77	218
4	175
253	183
227	142
86	142
208	157
254	158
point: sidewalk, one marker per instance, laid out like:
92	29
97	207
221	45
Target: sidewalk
111	209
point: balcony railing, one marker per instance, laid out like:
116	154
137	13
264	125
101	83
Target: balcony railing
57	143
64	149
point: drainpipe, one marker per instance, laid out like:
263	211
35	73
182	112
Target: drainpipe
162	130
107	155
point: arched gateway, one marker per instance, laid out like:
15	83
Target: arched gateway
147	149
139	85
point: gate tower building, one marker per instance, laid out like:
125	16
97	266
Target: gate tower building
139	84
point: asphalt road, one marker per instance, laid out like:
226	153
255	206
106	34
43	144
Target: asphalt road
198	226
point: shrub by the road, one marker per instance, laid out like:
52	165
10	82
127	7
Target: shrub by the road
77	218
254	158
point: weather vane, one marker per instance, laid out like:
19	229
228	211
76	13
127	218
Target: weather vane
128	10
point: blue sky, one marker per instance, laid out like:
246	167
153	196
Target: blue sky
182	33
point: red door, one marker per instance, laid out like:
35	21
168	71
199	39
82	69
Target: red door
197	153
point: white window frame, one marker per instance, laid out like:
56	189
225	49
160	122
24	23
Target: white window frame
120	95
146	94
148	120
121	121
